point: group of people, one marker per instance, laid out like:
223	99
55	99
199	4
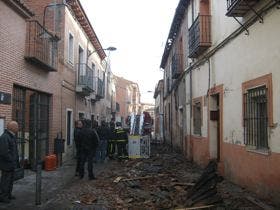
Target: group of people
92	141
99	143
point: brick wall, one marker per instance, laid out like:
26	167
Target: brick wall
15	70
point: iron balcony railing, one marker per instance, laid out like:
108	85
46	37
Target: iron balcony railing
177	65
199	35
100	89
238	8
41	46
84	79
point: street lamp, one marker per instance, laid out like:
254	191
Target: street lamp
108	49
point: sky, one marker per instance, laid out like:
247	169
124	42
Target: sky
138	29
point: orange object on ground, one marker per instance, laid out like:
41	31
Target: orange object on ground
50	163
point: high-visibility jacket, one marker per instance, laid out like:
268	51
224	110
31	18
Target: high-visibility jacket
120	135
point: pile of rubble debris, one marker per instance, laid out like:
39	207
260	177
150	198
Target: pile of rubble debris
164	181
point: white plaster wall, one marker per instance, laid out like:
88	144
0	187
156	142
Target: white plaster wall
200	87
243	59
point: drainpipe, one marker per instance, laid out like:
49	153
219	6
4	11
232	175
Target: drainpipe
171	129
191	145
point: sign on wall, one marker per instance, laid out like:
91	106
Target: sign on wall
5	98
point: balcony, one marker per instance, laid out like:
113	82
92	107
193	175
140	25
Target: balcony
100	89
238	8
177	66
41	47
200	35
84	79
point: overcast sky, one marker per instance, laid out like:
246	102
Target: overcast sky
138	29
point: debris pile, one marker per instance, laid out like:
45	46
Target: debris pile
205	192
164	181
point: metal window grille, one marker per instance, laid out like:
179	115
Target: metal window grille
197	118
256	118
19	116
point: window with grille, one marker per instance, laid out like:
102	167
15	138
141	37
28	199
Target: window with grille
256	118
197	118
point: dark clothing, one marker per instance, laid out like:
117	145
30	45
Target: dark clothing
8	163
8	152
87	156
89	139
89	143
77	139
111	142
6	184
104	135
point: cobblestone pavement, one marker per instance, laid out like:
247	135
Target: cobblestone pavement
52	182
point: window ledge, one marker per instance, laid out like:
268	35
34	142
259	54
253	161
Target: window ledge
199	136
265	152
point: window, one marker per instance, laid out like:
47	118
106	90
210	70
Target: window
93	68
197	122
71	49
257	112
81	115
117	107
256	118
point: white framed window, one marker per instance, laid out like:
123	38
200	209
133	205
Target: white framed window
71	48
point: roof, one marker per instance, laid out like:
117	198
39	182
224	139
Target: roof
157	89
20	7
174	29
86	25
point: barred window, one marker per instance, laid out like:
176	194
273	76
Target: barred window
256	118
197	118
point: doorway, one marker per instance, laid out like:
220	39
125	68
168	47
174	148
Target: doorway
31	111
69	126
215	126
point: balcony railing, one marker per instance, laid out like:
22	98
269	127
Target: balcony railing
84	79
41	46
200	35
100	89
238	8
177	65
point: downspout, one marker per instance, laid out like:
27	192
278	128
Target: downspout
171	126
191	144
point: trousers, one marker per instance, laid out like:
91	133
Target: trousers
6	184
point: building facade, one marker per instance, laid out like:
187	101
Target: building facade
59	73
231	81
127	98
158	113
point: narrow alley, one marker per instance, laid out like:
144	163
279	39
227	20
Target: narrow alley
163	181
169	104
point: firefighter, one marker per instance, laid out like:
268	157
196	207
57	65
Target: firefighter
121	139
112	141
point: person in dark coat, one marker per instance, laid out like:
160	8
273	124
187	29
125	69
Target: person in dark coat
9	161
89	142
103	133
77	139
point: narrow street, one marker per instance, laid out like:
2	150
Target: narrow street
160	182
184	94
